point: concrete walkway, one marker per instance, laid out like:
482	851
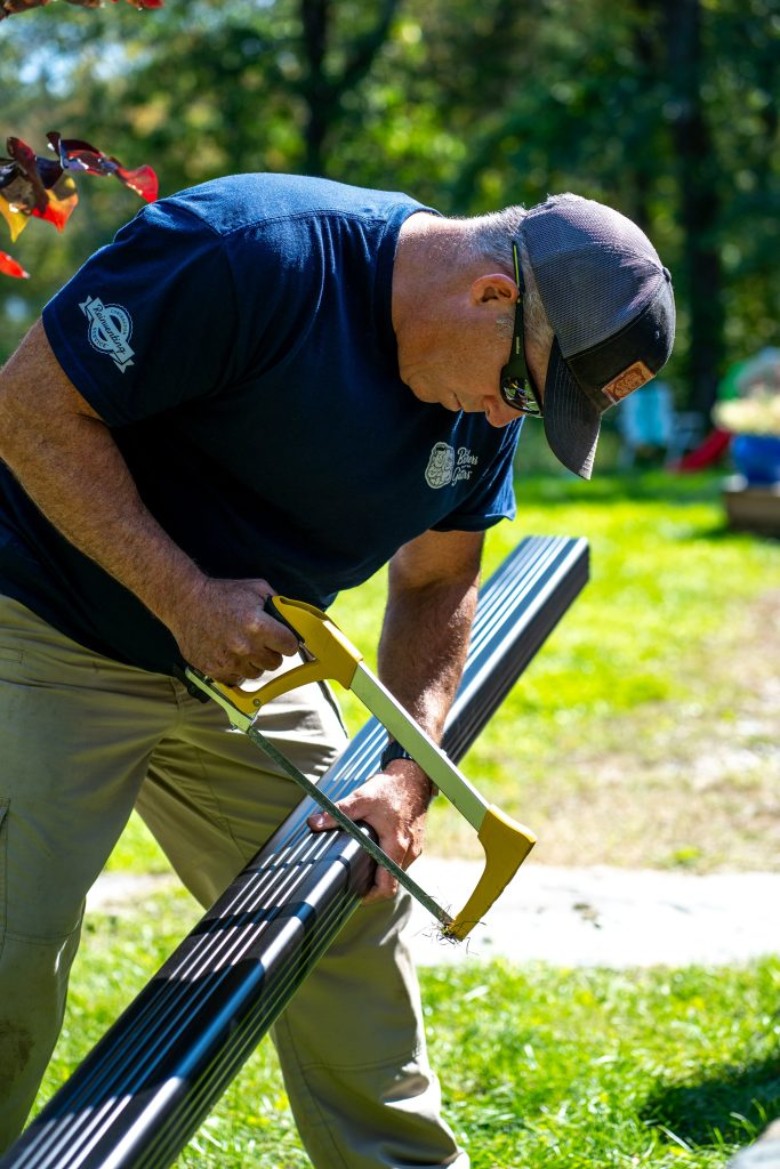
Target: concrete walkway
605	917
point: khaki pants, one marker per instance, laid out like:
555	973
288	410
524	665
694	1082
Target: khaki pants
83	740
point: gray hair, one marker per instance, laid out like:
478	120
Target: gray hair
490	239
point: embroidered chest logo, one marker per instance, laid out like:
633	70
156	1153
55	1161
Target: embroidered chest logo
110	330
448	465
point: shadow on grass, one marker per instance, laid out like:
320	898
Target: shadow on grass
732	1106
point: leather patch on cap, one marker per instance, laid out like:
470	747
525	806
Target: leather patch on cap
626	382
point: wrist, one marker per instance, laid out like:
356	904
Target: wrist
393	750
394	753
184	594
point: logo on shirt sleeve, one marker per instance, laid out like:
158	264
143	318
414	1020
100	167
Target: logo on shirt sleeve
447	465
110	330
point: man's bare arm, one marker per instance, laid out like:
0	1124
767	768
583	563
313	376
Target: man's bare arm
432	598
66	459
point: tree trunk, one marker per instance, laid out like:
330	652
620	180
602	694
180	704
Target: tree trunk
702	277
315	18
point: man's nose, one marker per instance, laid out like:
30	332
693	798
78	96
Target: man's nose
497	412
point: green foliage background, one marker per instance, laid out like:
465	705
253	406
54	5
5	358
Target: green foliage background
667	109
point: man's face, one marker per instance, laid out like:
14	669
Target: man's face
465	373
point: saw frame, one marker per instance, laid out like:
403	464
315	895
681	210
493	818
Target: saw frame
331	656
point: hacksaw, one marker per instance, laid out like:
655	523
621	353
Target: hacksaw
332	657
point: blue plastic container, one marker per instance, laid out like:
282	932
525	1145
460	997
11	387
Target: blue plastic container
757	457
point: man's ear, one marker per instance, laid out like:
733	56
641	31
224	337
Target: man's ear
496	286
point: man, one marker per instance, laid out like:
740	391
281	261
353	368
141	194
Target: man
274	384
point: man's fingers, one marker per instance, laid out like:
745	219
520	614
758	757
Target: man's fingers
393	842
226	632
275	636
385	887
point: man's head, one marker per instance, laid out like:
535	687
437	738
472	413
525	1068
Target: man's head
609	302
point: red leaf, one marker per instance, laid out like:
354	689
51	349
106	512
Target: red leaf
61	204
75	154
10	267
27	163
143	180
31	185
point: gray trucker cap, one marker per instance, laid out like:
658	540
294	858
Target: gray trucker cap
610	303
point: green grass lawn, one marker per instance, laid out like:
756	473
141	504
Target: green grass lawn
541	1067
643	734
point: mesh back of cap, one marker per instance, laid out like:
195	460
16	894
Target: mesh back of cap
595	269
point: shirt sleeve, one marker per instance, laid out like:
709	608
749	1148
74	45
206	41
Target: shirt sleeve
493	496
149	321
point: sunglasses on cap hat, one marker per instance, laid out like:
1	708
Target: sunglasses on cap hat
516	385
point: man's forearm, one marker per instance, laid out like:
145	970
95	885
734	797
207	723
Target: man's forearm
425	639
67	461
423	651
69	464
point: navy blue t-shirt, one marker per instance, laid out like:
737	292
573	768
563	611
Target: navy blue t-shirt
237	338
